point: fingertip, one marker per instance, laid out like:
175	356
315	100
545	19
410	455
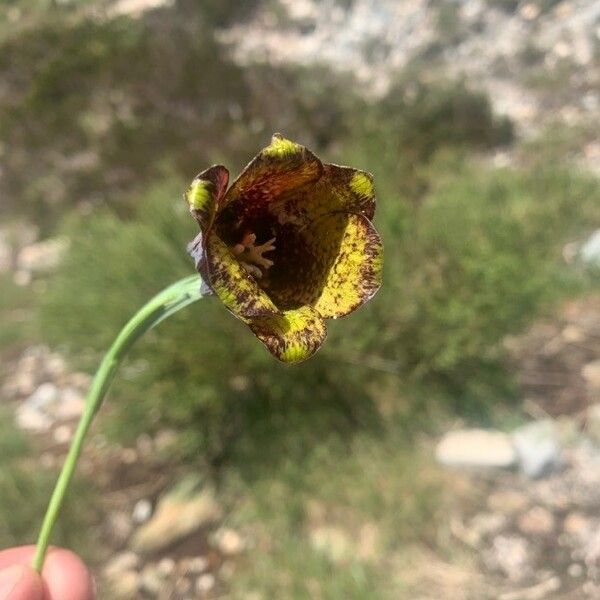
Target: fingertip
66	577
20	582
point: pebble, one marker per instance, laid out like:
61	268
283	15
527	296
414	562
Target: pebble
142	511
512	555
180	512
151	582
70	405
229	542
32	419
195	565
476	448
41	257
538	448
575	570
44	395
205	583
119	527
121	562
126	586
537	521
507	502
165	567
62	434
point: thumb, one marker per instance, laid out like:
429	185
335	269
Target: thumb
20	583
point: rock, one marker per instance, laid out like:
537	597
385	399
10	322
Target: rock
32	419
142	511
476	448
576	523
180	512
195	565
538	448
590	250
591	374
151	582
165	567
70	405
333	542
537	521
511	555
119	527
165	440
80	381
507	502
120	563
45	395
126	586
205	583
229	542
62	434
55	366
530	11
573	334
575	570
484	525
41	257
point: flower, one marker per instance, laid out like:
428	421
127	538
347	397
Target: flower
288	245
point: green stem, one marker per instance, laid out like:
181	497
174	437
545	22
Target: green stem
164	304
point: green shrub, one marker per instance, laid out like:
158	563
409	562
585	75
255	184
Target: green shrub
474	261
25	489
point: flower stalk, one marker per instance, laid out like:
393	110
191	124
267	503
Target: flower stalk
164	304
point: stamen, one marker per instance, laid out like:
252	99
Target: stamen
251	256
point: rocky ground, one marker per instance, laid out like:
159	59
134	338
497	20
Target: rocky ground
534	517
538	60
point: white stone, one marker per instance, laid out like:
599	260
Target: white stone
205	583
142	511
195	565
41	257
62	434
69	406
590	251
538	448
229	542
32	419
165	567
476	448
44	395
120	563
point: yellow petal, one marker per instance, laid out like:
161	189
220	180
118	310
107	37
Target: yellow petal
279	169
236	288
356	273
292	336
352	189
204	194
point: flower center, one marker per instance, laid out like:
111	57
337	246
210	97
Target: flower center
250	255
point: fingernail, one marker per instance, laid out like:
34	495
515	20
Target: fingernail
9	579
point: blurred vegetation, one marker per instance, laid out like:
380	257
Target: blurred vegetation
24	494
108	119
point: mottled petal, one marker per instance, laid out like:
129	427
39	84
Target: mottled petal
292	336
352	189
236	288
356	274
279	169
205	194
